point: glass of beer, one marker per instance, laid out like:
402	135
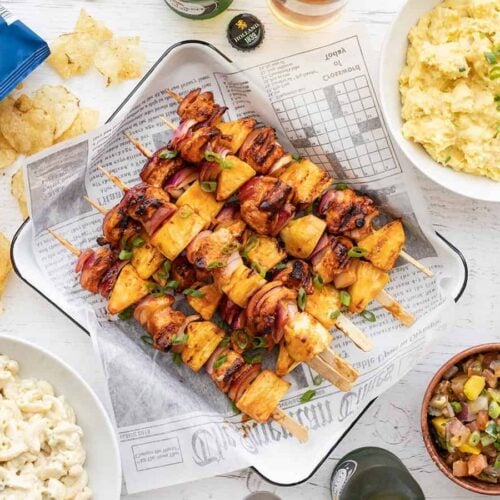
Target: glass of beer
306	14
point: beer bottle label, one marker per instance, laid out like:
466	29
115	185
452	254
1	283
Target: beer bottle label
342	476
197	9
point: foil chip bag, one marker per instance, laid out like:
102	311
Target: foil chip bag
21	51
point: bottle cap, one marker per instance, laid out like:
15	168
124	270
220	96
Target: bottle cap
245	32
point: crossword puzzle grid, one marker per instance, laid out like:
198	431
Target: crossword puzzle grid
338	127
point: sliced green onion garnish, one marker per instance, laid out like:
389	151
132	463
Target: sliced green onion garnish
259	342
497	98
447	160
462	69
357	252
280	266
167	265
345	298
307	396
215	265
494	73
138	242
217	158
368	315
252	358
220	361
224	342
259	269
491	429
496	465
229	248
296	157
457	407
340	186
250	244
302	299
334	314
490	57
179	339
235	408
124	243
208	186
474	438
487	440
168	154
242	338
177	358
126	313
192	292
185	211
125	255
318	282
147	339
173	284
317	380
494	410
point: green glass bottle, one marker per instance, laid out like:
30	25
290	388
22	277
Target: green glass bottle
373	474
198	9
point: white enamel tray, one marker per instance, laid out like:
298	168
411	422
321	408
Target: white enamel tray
27	269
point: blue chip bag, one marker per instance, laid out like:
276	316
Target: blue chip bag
21	51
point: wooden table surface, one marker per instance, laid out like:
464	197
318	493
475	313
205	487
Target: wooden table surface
393	421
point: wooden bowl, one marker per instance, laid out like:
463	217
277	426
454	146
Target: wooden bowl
471	484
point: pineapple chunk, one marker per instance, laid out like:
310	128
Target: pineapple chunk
322	303
474	386
308	179
369	282
305	337
284	363
345	278
384	245
203	339
129	289
146	259
244	282
238	131
176	234
266	252
206	306
203	203
302	235
263	396
231	179
439	424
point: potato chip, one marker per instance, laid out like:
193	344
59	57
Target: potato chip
120	59
59	102
18	191
86	120
27	127
8	155
5	265
96	29
72	54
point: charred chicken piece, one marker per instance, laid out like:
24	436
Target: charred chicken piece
183	272
330	257
157	170
222	366
231	313
93	266
201	107
266	204
230	218
211	250
262	152
348	213
118	227
192	144
297	274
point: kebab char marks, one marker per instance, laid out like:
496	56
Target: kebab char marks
261	245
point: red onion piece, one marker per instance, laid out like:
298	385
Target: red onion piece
326	201
109	279
181	133
222	151
209	171
195	244
256	299
282	162
281	321
83	258
240	321
247	190
181	178
242	380
160	216
284	216
465	414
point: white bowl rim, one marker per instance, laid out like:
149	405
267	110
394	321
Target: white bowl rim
468	185
99	406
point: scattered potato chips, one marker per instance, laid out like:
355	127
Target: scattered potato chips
120	59
18	191
8	155
26	127
96	29
86	120
5	265
60	103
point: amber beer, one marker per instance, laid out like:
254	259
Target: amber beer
306	14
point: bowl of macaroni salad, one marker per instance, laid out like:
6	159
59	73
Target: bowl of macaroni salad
56	440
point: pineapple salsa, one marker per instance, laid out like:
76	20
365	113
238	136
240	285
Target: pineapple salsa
465	415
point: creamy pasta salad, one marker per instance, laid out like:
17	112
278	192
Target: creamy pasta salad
41	452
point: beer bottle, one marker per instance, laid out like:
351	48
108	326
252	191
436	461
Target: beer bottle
373	474
198	9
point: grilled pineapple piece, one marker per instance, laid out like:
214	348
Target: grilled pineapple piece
244	282
264	251
238	132
302	235
200	201
345	278
369	282
308	179
206	306
129	289
146	259
176	234
305	337
322	305
203	339
263	396
285	363
384	245
231	179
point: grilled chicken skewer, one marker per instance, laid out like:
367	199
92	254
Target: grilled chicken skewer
255	392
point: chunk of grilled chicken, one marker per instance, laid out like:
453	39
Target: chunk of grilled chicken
384	245
297	274
193	144
211	249
330	257
348	213
369	282
301	235
308	180
263	252
93	265
157	170
347	277
222	365
324	305
235	133
183	272
200	107
266	204
118	227
262	152
230	218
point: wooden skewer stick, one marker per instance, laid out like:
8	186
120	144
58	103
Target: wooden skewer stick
143	149
173	95
291	425
335	377
330	357
113	178
349	329
96	205
168	123
416	263
395	308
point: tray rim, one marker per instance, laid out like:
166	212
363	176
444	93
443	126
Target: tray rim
24	225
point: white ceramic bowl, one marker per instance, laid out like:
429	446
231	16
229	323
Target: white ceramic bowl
391	64
103	457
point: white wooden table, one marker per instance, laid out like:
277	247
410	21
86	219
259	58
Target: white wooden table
393	421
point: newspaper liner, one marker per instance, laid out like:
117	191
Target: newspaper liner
174	425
